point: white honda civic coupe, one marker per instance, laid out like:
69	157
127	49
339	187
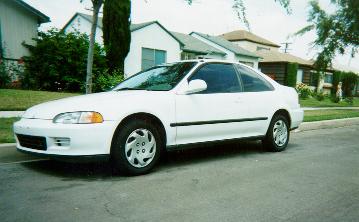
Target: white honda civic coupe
165	107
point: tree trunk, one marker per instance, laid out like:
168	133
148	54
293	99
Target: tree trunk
96	8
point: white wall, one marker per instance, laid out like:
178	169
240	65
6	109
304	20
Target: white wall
84	26
17	26
153	37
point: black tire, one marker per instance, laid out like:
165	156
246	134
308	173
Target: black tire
269	140
119	161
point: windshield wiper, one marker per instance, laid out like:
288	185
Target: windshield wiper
128	88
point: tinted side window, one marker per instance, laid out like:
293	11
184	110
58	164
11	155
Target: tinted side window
220	78
252	82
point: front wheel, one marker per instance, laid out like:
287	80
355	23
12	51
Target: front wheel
277	137
136	148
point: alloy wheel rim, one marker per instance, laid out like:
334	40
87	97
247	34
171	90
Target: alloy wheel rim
140	148
280	133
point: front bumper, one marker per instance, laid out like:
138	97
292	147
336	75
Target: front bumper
66	140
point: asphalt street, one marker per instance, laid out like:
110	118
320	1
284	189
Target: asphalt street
315	179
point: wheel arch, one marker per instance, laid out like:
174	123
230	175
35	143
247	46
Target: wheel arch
142	116
285	113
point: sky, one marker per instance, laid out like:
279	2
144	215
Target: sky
266	17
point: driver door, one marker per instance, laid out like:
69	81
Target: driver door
213	114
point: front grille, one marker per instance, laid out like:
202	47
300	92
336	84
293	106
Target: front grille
32	142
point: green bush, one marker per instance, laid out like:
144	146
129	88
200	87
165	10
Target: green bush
291	79
303	90
4	76
349	80
58	62
105	81
349	100
320	96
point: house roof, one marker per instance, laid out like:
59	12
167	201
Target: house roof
275	56
191	44
133	27
242	35
42	18
227	45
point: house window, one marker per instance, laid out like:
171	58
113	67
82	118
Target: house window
299	76
152	57
328	78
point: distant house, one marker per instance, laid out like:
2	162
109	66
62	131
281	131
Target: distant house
233	51
153	44
274	63
18	23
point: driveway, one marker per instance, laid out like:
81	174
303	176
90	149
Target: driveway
315	179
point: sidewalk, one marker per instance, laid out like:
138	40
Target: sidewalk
319	108
9	114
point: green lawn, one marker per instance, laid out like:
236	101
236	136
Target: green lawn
14	100
312	102
6	133
317	115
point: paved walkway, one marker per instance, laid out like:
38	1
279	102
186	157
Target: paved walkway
318	108
8	114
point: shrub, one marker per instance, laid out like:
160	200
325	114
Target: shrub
349	100
303	90
4	76
349	80
105	81
320	96
58	62
291	79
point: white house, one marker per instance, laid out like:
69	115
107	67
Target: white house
18	23
153	44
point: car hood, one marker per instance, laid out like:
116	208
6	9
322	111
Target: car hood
99	102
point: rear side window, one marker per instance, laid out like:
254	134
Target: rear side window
252	81
220	78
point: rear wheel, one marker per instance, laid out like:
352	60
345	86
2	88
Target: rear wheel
277	137
136	147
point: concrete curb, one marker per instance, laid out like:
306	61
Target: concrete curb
7	145
328	124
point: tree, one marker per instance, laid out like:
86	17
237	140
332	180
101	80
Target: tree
58	61
96	5
240	9
116	32
336	32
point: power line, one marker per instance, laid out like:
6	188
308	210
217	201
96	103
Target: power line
286	46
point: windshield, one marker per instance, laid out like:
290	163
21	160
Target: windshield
161	78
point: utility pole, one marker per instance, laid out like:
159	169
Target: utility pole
286	46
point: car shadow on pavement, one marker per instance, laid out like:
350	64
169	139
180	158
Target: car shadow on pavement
182	158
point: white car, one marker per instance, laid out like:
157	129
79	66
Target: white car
163	108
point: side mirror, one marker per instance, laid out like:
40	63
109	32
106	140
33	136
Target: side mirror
195	86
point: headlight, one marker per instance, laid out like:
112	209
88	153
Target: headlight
78	118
